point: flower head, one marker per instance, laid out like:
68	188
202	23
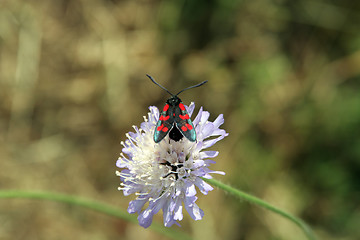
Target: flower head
165	174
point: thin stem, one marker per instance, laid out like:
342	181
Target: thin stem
309	234
93	205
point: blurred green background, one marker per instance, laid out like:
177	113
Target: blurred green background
285	74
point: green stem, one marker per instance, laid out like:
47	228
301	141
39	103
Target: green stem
93	205
263	204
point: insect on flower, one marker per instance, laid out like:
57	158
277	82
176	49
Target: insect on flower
174	118
166	175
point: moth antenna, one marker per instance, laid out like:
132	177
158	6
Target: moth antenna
159	84
197	85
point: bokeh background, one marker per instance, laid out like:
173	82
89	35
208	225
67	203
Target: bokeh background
285	74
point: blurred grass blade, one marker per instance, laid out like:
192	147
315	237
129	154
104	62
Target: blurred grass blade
96	206
26	75
308	232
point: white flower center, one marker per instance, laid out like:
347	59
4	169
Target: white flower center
174	160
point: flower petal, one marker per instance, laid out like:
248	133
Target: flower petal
136	205
194	211
168	215
198	117
208	154
219	121
190	189
211	142
145	218
208	129
178	213
203	186
190	108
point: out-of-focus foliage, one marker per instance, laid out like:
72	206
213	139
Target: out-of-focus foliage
285	74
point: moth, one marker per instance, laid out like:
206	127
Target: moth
174	119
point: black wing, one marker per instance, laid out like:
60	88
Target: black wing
165	123
184	123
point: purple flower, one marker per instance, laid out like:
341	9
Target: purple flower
164	175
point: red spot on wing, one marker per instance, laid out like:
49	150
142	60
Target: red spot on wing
189	126
184	128
164	129
181	106
160	127
164	118
184	116
166	107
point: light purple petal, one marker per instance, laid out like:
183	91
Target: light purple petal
204	116
198	117
178	213
211	142
135	206
197	213
157	204
132	188
219	132
145	218
120	163
190	189
208	154
203	186
198	163
208	162
133	135
145	126
189	201
190	108
207	130
178	210
200	172
194	211
199	146
168	216
218	121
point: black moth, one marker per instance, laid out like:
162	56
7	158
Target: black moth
174	118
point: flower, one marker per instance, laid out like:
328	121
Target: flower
165	174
